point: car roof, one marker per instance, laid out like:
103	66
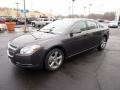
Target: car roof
113	21
77	19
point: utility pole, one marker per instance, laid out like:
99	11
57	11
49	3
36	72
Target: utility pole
69	9
32	9
73	7
25	26
17	9
101	8
90	5
84	10
51	12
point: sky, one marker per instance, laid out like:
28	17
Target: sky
61	7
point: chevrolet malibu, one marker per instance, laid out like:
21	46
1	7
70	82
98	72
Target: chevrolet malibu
52	44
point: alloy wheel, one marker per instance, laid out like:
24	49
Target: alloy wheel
55	59
103	43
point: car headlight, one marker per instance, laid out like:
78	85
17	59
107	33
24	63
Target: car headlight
29	49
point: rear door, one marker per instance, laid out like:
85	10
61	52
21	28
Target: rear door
95	33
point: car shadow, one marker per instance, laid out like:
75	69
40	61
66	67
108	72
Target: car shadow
36	77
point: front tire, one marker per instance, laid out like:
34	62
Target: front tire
102	44
54	59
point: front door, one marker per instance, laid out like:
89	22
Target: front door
79	40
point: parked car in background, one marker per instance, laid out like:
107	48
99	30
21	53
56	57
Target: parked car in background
100	20
113	24
3	27
52	44
33	22
119	23
2	20
20	21
30	19
42	22
106	21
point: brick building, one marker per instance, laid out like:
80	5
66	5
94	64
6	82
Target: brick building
13	12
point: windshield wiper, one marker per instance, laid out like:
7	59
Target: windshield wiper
32	35
49	30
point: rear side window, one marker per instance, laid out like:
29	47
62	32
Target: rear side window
81	25
92	25
46	19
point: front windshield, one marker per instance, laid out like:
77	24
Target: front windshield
59	26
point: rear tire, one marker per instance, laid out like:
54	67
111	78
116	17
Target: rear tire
102	44
33	24
54	59
17	23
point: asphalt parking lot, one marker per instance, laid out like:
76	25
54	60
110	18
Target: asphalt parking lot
92	70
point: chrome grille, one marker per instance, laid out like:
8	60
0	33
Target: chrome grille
11	50
12	47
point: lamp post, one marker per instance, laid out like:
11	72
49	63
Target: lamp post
73	7
17	9
25	26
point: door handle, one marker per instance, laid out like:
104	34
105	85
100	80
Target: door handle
76	37
86	34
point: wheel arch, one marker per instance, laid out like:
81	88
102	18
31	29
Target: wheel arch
58	47
106	37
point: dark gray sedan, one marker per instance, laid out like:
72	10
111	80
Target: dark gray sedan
51	45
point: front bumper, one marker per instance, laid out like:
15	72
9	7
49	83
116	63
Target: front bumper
113	26
27	61
2	29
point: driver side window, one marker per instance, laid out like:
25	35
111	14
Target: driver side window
79	26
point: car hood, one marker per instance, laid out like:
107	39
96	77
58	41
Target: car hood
31	38
113	23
